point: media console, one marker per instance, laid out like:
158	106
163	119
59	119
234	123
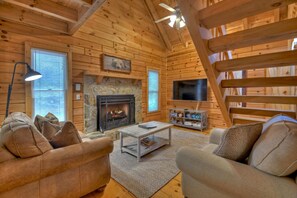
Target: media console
193	119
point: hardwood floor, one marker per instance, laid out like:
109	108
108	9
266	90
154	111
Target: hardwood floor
170	190
115	190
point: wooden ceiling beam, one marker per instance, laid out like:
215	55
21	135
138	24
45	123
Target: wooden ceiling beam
154	15
189	10
84	16
263	34
48	8
277	59
16	14
229	10
261	82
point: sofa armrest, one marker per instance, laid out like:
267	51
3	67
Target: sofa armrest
216	135
18	172
232	178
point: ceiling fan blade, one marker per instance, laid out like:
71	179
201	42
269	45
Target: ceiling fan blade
163	19
167	7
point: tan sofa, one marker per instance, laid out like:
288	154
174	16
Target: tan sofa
71	171
206	175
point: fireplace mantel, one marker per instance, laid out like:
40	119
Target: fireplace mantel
100	75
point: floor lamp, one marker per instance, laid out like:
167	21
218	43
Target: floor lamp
29	76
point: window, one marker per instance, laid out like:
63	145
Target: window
50	92
153	90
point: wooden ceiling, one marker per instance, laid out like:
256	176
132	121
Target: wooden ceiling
67	16
60	16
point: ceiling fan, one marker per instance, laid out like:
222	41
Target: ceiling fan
176	17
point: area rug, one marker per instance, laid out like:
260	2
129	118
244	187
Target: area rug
156	169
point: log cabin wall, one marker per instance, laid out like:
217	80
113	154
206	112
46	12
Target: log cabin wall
183	63
120	28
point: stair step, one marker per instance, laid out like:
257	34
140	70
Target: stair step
260	82
247	120
278	59
282	30
263	99
229	10
261	112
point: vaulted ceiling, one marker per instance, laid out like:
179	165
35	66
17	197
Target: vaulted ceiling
67	16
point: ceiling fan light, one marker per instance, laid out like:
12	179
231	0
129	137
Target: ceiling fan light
172	18
182	24
171	23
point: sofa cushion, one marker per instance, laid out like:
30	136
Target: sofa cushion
22	138
38	121
237	141
275	150
65	136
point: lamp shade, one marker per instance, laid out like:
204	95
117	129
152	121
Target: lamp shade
31	74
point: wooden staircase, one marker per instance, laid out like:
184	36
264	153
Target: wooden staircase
207	29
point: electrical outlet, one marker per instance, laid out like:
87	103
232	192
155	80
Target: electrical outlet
77	97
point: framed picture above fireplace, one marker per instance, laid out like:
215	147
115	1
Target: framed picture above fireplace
112	63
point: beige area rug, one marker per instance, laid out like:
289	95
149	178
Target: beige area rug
156	169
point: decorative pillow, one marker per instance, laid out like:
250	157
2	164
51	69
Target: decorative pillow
238	141
66	136
275	152
277	118
18	116
52	118
49	117
21	138
49	130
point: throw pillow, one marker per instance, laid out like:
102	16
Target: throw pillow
238	141
38	121
66	136
275	150
21	138
49	130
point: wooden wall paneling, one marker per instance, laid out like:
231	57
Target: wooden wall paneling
18	15
47	8
199	34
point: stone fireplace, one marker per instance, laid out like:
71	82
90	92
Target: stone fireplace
109	87
115	111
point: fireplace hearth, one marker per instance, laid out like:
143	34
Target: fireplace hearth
115	111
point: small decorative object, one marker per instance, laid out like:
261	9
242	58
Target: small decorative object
180	115
193	116
112	63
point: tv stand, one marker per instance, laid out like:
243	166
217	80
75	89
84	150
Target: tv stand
193	119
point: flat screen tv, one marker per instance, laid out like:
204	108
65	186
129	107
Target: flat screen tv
190	90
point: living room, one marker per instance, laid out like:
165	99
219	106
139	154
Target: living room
108	65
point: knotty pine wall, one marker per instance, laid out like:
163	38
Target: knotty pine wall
183	63
120	28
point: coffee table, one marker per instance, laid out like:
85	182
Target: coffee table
136	149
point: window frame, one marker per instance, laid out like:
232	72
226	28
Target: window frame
29	86
159	92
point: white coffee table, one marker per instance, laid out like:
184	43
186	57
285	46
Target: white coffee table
136	149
